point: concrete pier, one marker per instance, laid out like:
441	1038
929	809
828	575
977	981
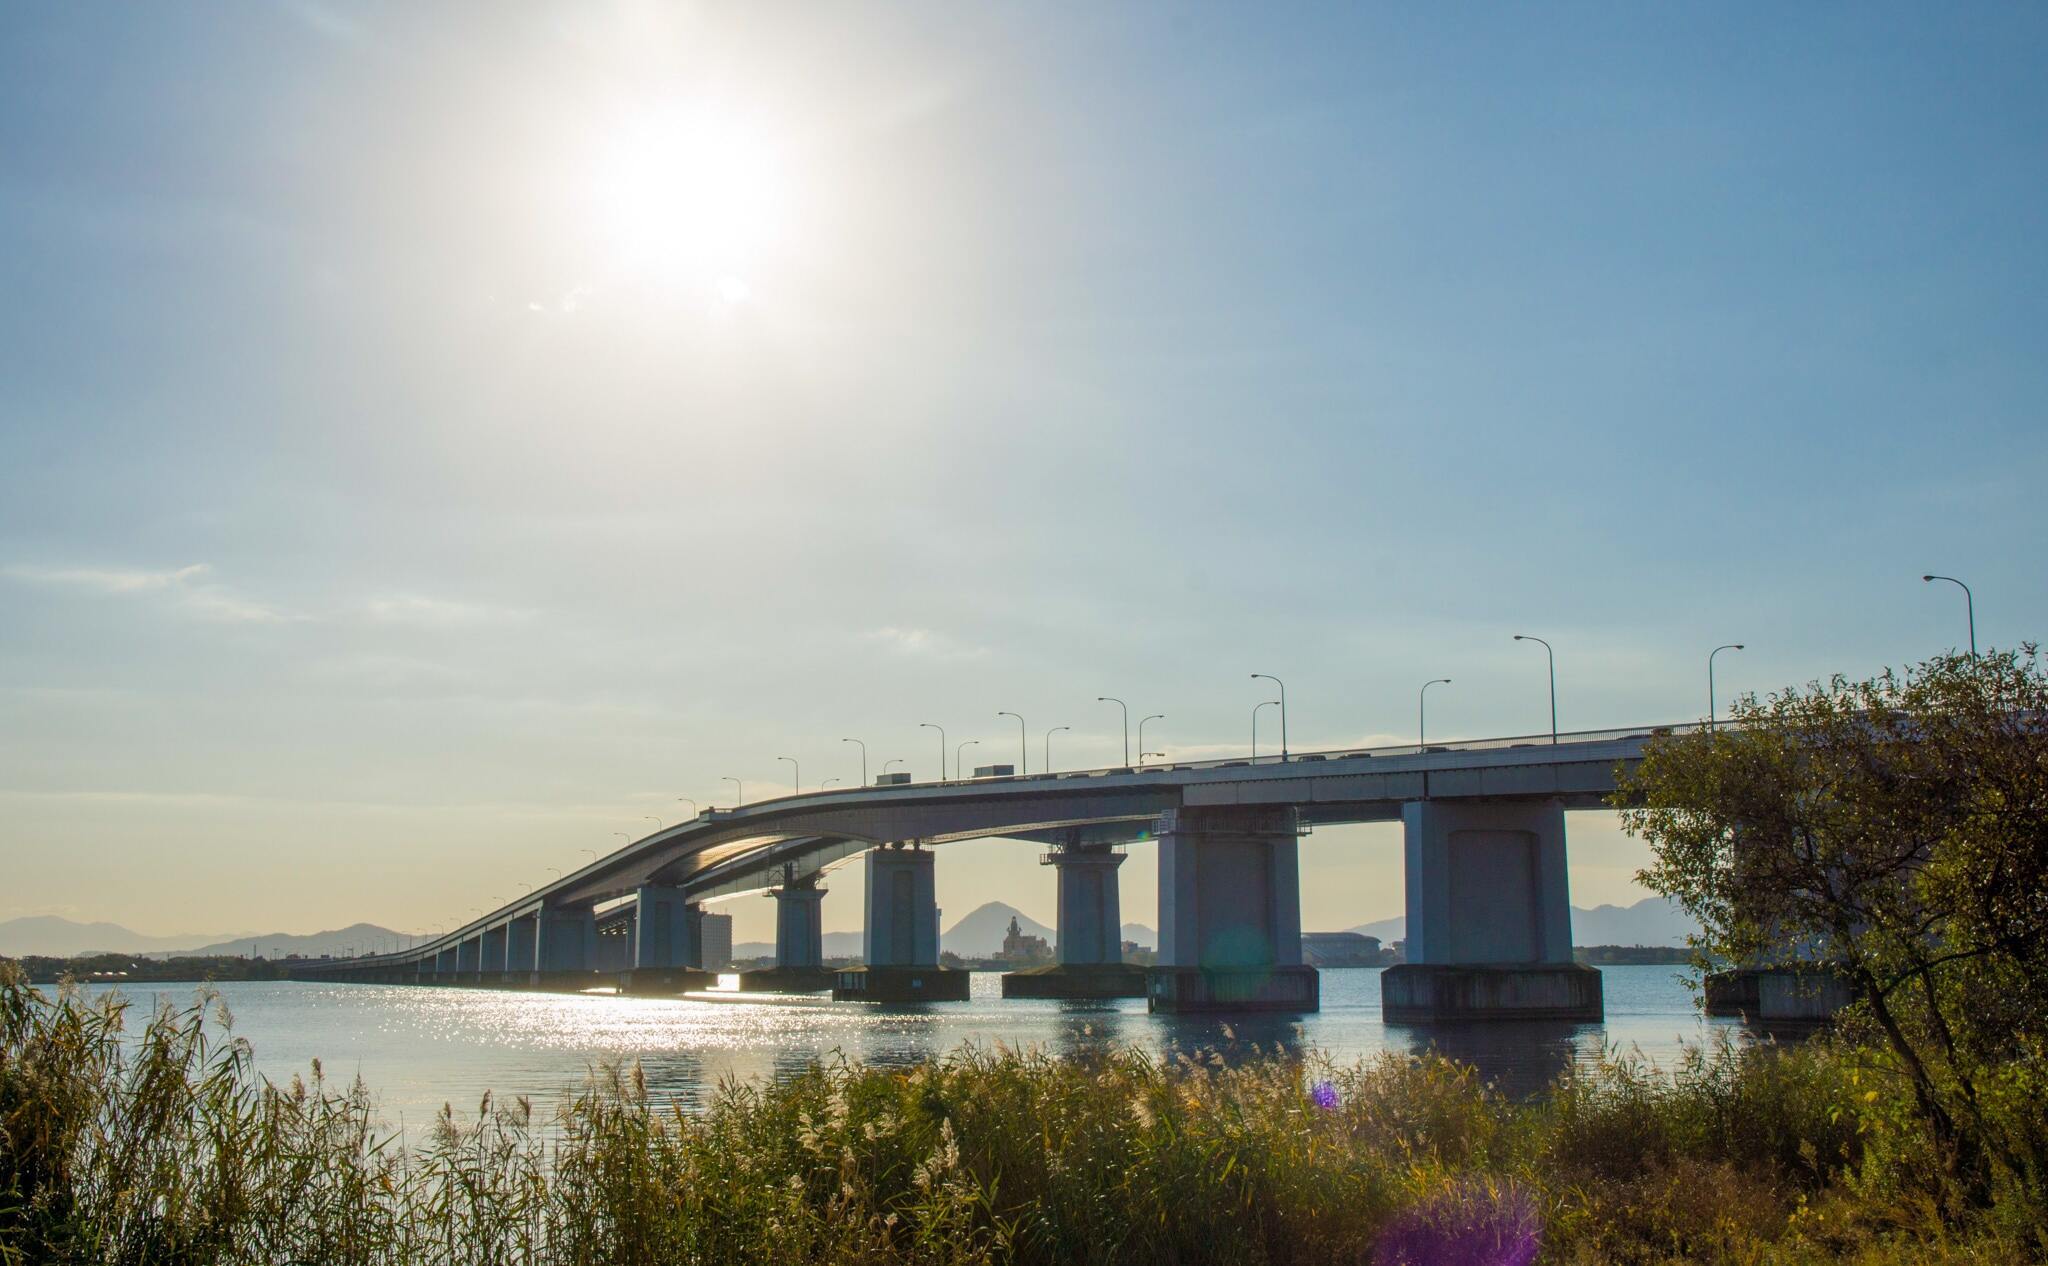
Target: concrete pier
1089	945
901	934
1230	913
1489	917
565	949
667	944
799	942
1792	994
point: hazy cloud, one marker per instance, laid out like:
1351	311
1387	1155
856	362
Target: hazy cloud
925	643
438	613
191	592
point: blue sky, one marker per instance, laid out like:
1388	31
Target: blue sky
433	439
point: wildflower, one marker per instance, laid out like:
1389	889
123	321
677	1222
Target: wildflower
1323	1095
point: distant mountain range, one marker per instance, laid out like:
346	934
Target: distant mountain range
62	938
1651	921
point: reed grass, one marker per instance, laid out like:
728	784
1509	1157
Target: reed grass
166	1147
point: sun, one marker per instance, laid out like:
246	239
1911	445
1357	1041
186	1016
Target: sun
693	197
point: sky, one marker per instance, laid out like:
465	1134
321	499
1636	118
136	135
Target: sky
436	440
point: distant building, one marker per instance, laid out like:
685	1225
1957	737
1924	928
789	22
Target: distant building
717	936
1018	947
1340	949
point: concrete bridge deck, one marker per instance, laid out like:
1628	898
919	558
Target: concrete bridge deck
785	843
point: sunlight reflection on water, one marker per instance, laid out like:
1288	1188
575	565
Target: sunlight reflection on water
416	1048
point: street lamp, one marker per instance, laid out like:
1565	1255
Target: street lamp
1970	604
1142	753
930	725
1048	745
863	759
1270	703
1713	712
1283	710
1422	716
964	745
739	790
796	774
591	851
1127	721
1552	657
1023	744
893	760
624	835
651	818
828	782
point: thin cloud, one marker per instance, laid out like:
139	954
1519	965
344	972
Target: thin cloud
186	585
924	643
106	580
438	613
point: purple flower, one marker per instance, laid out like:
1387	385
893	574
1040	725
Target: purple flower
1470	1225
1323	1095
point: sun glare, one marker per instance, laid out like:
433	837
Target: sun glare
693	198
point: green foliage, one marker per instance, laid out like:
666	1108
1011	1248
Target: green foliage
1895	830
164	1146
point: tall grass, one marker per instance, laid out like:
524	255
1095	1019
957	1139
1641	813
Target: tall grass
168	1148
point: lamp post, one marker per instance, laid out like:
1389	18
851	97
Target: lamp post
1023	744
893	760
863	759
1142	753
828	782
1270	703
1127	721
1048	745
695	812
624	835
796	774
1552	657
1970	605
1713	712
739	791
964	745
928	725
1283	711
1422	714
591	851
658	823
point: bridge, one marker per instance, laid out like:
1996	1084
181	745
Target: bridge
1489	916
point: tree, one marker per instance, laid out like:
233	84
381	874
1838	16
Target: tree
1896	831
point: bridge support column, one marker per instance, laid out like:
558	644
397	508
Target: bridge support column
469	959
1090	950
799	942
565	948
1230	913
445	963
668	944
1489	917
901	935
496	955
522	950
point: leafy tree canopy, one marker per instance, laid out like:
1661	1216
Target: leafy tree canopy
1896	831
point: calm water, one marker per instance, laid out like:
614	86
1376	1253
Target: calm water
417	1048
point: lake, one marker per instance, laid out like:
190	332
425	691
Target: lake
419	1047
